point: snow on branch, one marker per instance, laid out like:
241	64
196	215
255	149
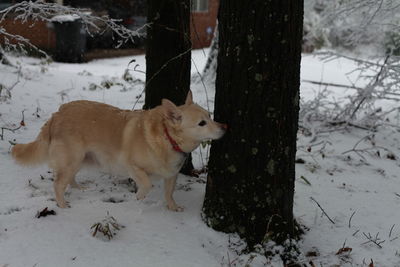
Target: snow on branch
352	24
382	83
28	12
19	43
362	21
362	107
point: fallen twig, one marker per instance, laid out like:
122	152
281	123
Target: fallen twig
356	232
21	124
391	229
376	240
351	217
323	211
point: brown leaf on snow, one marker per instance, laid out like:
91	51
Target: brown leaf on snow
371	264
343	250
312	254
391	156
45	212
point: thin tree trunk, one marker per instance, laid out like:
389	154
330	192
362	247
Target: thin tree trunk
210	69
168	55
168	52
250	183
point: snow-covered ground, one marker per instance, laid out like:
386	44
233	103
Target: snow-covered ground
360	193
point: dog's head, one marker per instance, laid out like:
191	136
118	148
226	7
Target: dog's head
192	121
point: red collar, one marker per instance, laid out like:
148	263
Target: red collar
174	144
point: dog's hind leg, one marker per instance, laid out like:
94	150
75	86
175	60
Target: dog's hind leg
66	162
142	180
60	185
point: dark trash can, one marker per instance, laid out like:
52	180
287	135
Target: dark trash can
70	39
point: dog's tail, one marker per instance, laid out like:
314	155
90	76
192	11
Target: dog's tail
35	152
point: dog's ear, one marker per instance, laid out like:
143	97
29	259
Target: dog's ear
189	98
171	111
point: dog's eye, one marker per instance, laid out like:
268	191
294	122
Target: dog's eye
202	123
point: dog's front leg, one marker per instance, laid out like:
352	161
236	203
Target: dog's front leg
142	181
169	186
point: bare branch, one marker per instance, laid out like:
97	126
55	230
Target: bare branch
351	217
375	240
31	12
21	124
323	211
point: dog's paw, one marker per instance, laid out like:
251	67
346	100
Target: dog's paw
75	185
64	205
140	195
175	207
142	192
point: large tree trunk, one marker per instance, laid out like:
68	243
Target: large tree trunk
168	55
168	51
251	175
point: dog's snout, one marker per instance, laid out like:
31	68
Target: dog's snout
224	126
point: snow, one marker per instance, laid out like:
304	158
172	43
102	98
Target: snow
342	184
65	18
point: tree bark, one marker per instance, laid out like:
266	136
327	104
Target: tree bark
210	69
250	183
168	55
168	52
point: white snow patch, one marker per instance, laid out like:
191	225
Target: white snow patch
343	184
65	18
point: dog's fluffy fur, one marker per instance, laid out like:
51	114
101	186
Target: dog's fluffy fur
138	143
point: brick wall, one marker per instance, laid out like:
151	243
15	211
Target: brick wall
36	31
202	29
201	24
